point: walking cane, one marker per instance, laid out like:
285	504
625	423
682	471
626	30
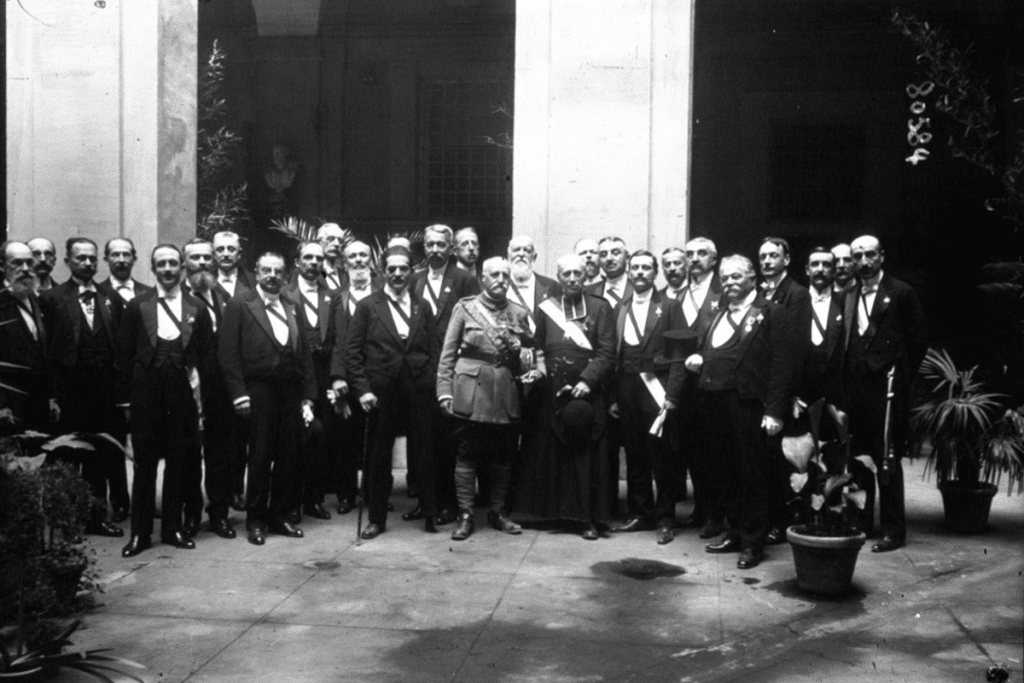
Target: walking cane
362	495
890	451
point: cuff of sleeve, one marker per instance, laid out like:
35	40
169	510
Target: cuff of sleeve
123	405
241	399
446	397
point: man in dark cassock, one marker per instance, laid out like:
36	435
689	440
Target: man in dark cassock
564	472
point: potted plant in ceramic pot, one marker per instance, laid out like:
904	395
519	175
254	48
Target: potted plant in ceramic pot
826	545
43	510
970	439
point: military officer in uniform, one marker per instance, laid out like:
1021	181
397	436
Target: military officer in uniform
480	364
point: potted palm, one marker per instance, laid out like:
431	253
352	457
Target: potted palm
825	546
970	439
43	510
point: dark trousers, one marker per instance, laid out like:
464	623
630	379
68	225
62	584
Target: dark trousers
495	444
646	456
88	406
737	449
699	465
409	401
164	426
218	451
346	457
445	448
275	422
317	438
239	454
117	480
867	435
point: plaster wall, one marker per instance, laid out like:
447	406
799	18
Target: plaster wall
101	115
603	100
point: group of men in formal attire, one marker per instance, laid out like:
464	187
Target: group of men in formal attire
264	392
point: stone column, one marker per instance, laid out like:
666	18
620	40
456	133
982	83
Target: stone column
602	122
102	121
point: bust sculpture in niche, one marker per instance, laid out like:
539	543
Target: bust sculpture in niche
281	174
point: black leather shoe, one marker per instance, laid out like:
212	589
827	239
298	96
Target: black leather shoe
711	530
190	528
238	502
413	492
372	530
178	540
344	506
315	510
887	544
693	522
776	536
286	528
465	527
749	558
445	517
503	524
293	516
104	529
727	545
222	527
591	533
664	535
634	524
429	526
256	536
136	545
413	515
119	514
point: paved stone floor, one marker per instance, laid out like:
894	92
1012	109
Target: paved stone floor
548	606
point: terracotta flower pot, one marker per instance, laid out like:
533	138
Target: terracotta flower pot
824	564
967	505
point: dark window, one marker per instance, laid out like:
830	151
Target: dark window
465	171
816	172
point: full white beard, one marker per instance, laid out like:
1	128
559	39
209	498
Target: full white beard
359	275
522	270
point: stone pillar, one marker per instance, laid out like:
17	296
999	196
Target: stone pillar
102	121
602	122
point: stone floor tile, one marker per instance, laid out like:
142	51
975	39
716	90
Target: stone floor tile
280	653
170	648
391	598
613	608
204	589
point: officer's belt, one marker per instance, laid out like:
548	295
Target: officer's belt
492	358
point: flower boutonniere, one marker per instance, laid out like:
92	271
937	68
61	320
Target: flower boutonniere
714	305
753	321
191	319
839	318
885	301
447	290
657	311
